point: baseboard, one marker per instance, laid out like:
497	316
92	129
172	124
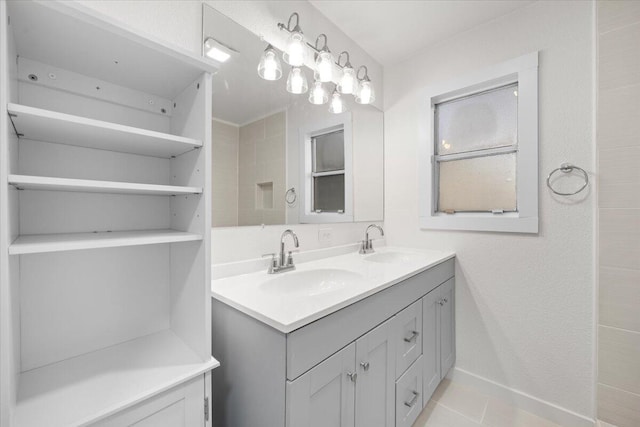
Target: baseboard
521	400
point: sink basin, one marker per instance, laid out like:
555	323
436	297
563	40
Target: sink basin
394	257
310	283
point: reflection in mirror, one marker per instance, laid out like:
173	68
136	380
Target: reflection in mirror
278	158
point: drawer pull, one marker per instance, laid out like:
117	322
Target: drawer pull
413	400
352	376
365	365
414	335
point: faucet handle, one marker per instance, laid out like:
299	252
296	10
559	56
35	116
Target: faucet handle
290	256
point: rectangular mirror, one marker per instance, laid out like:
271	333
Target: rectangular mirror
277	158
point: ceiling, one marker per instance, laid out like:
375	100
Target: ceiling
391	31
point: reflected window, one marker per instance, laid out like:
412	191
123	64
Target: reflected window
328	172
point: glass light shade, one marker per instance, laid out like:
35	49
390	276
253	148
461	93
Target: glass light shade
348	83
269	67
365	93
324	66
294	55
337	103
297	81
318	94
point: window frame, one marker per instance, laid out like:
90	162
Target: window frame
523	71
307	133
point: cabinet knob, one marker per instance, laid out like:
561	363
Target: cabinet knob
365	365
441	302
413	336
352	376
446	299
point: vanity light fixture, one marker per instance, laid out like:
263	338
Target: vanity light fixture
347	80
324	61
348	83
337	103
297	81
318	95
218	51
295	52
365	93
269	67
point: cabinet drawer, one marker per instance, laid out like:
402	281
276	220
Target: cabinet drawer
408	336
409	395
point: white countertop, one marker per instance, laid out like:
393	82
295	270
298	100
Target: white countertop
288	308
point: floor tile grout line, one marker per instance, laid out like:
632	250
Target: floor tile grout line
484	413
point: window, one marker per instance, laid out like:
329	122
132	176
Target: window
479	151
327	182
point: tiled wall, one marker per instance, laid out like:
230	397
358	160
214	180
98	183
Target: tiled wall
262	161
224	174
618	145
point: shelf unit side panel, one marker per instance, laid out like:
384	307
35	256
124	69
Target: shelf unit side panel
76	302
67	161
71	212
9	225
190	263
75	102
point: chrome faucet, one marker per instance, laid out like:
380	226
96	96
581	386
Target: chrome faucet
367	244
281	264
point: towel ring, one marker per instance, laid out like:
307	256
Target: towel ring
290	196
566	168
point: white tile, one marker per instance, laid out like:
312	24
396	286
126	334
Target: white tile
617	407
620	298
619	57
620	165
437	415
275	124
614	14
618	359
618	124
465	400
501	414
622	196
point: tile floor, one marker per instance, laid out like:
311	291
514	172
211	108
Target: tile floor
455	405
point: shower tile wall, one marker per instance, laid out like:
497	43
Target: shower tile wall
618	145
261	171
224	190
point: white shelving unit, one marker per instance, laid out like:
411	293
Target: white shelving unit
50	126
104	222
26	182
41	243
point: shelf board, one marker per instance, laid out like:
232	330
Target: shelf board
84	389
39	243
28	182
50	126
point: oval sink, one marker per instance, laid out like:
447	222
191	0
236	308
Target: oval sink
394	257
311	282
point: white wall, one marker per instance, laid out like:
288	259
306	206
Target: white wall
525	315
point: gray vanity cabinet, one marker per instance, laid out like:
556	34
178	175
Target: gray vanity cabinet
375	384
438	339
360	366
323	397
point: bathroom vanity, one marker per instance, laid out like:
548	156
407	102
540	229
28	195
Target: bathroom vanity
350	340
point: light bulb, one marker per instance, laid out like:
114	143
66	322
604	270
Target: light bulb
295	53
318	95
365	94
297	81
269	67
324	66
337	104
348	82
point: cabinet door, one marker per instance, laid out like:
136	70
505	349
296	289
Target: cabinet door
375	385
431	343
182	406
408	336
447	327
325	395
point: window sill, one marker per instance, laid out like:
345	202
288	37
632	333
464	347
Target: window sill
507	223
